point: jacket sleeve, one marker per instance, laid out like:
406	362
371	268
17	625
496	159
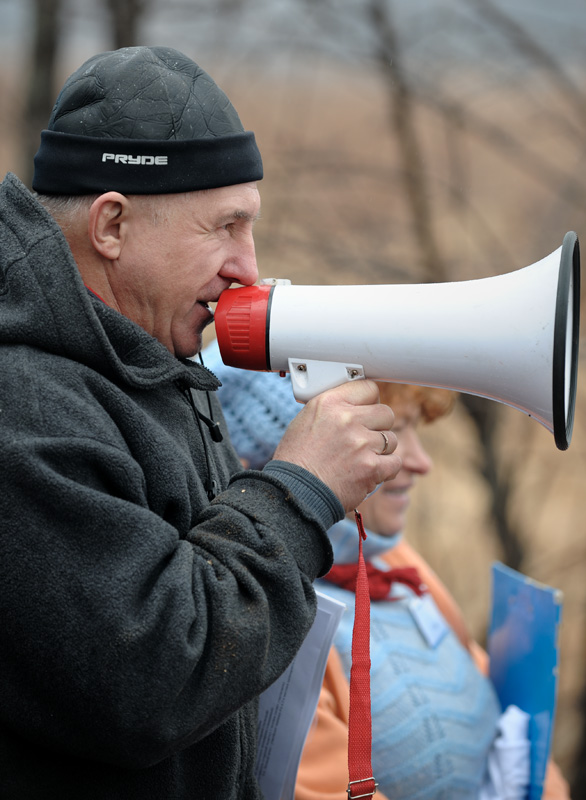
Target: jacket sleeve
123	640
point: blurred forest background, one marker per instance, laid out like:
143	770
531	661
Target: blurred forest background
403	142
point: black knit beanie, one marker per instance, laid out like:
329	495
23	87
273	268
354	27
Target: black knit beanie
143	120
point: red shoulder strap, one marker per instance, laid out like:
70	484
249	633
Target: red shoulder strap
362	783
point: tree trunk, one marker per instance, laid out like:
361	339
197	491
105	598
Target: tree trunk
484	414
125	19
388	56
40	96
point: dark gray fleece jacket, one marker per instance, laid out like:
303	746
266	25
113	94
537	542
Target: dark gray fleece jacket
139	620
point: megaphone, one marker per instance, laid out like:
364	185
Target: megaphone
512	338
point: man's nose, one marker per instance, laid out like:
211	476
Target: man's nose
242	267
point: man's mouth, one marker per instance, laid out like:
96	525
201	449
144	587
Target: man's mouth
206	306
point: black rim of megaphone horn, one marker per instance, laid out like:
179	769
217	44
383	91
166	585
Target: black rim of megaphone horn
568	299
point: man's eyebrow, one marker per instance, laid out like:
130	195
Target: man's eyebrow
246	216
239	214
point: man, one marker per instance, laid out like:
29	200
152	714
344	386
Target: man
150	590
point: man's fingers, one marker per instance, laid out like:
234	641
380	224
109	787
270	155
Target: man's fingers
357	392
388	468
362	401
344	437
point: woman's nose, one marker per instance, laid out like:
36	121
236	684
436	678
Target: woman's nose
413	454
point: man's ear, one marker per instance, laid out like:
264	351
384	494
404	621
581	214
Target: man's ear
107	224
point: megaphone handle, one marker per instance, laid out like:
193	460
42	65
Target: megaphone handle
310	378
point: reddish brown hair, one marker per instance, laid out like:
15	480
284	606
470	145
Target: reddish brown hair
434	403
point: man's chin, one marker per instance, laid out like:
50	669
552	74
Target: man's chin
189	348
191	343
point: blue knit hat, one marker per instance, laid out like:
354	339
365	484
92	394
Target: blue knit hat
258	407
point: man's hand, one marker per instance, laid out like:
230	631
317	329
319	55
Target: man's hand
344	438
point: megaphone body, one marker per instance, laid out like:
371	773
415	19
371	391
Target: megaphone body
512	338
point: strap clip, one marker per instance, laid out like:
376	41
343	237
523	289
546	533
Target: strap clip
367	794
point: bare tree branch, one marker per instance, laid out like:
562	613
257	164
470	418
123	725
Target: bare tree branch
521	40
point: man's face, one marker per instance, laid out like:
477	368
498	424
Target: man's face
180	258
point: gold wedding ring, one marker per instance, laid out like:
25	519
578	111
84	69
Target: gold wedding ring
386	445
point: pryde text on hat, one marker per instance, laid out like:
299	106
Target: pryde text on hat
119	158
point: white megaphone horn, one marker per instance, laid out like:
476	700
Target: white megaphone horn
512	338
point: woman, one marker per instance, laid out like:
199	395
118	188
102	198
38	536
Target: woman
435	713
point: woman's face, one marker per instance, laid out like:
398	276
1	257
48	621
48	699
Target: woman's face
385	511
